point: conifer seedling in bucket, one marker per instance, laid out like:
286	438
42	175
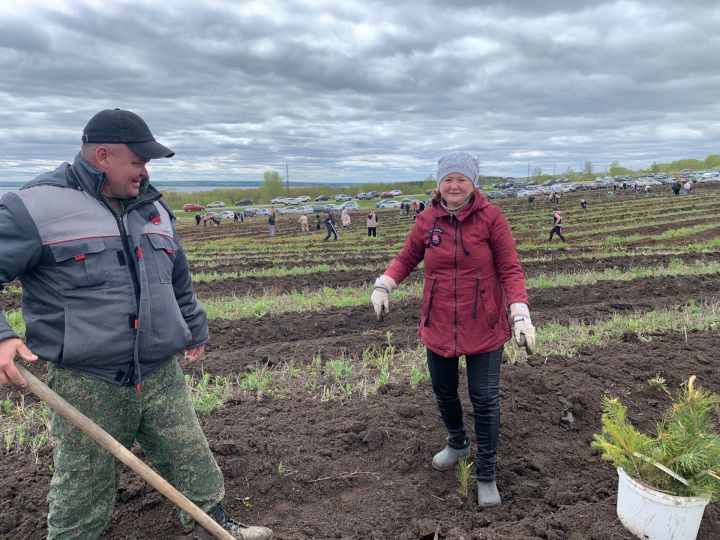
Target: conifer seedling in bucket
665	481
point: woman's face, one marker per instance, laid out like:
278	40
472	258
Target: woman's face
455	189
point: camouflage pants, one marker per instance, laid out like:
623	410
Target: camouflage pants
163	421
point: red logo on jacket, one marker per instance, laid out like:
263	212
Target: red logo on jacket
435	236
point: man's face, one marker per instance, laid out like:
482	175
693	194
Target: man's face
124	170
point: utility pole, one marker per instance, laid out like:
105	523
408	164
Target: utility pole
528	176
287	178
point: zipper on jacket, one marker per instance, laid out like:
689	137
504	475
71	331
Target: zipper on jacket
129	255
432	295
132	261
455	328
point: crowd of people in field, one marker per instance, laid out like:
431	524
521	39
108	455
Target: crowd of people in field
415	207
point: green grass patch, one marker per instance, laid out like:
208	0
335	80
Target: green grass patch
565	340
208	392
24	428
17	323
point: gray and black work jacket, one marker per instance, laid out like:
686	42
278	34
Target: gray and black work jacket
103	294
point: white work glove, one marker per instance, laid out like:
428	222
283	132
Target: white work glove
379	297
522	327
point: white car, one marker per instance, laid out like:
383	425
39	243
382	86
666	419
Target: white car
387	204
227	214
302	198
396	192
351	205
342	197
216	204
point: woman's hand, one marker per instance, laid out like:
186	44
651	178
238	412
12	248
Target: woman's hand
381	295
522	327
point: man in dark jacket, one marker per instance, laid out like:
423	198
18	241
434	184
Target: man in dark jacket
108	302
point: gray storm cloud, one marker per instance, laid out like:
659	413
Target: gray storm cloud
364	91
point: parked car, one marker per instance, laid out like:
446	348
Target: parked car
243	202
252	212
386	195
396	192
322	198
350	205
342	197
363	196
192	207
302	198
278	200
216	204
227	214
387	204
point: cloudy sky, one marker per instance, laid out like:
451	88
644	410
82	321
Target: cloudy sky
364	90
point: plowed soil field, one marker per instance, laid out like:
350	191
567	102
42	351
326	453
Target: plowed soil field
358	466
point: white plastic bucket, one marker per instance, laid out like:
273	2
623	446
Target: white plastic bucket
653	515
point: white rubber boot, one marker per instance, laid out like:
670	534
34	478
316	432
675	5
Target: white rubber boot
488	494
448	457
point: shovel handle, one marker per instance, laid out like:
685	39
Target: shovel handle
104	439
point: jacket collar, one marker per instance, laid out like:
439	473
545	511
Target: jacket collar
87	177
92	180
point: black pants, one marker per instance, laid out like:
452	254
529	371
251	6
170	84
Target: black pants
556	230
483	373
330	231
372	231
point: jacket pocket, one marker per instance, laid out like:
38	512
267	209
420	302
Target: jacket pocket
81	263
163	250
484	296
430	302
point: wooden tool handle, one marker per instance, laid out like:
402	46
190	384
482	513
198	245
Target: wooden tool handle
99	435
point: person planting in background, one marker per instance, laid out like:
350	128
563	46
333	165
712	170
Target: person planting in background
371	223
271	223
330	226
345	218
557	225
303	221
676	187
472	275
108	302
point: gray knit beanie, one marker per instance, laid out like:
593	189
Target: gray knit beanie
458	162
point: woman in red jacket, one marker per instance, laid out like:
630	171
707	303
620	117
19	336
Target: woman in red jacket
472	276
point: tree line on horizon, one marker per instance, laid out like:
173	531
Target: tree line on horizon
273	184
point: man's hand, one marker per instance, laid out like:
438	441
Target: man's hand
193	354
9	348
380	295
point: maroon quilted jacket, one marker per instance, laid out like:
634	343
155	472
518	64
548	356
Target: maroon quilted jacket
472	275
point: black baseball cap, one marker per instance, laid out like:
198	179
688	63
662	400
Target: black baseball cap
124	127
